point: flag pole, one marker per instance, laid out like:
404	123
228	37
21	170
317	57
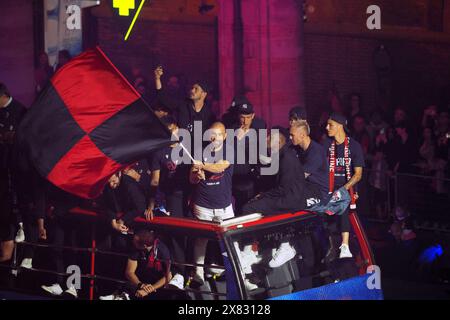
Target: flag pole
188	153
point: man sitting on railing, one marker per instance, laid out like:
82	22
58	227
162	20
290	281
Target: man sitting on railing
148	267
147	270
288	195
346	162
313	157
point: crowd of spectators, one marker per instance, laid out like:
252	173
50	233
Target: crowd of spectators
390	144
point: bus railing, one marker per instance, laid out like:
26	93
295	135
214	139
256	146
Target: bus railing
16	269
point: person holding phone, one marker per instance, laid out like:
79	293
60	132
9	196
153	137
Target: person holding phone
192	109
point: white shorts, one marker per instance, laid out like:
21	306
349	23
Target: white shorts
207	214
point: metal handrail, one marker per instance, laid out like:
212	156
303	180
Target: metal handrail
99	277
392	174
93	277
90	250
392	191
421	176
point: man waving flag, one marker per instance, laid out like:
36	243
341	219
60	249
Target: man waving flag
87	124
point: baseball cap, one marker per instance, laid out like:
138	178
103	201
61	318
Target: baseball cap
242	105
341	119
297	112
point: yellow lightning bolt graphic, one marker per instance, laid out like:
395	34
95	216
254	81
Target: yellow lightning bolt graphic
124	6
134	20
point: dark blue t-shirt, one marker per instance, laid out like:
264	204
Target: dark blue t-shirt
215	191
314	160
143	168
356	160
173	175
150	271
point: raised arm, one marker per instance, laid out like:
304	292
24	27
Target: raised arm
158	74
170	102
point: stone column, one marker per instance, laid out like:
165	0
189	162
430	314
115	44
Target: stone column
17	52
272	46
226	53
447	16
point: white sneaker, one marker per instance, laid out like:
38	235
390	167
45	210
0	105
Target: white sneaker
72	291
345	251
245	267
114	296
177	281
122	296
264	159
27	263
284	253
20	236
215	271
247	258
54	289
250	256
250	286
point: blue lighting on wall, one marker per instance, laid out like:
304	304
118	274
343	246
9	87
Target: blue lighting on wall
430	254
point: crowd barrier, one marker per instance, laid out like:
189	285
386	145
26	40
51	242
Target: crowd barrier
425	197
